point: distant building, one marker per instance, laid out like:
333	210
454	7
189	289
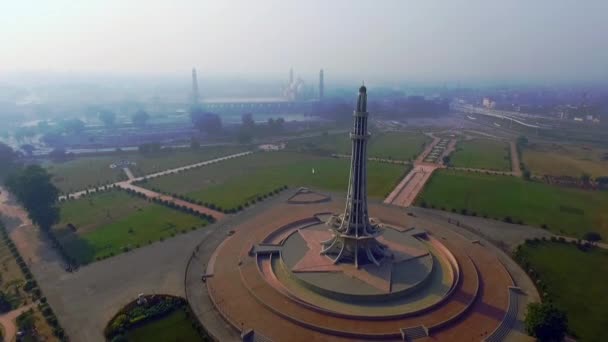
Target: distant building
321	85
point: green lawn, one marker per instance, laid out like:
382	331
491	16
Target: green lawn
175	327
324	145
482	154
576	282
564	210
108	222
234	182
395	145
89	171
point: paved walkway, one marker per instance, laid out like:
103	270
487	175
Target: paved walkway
411	185
515	162
408	189
128	173
131	179
152	194
8	322
381	160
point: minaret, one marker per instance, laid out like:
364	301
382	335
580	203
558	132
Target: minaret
321	85
290	77
354	236
195	95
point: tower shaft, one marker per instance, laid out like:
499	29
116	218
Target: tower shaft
195	94
354	236
321	85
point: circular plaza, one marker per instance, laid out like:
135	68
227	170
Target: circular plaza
268	279
311	269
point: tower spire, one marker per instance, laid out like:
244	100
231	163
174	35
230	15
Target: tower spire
321	85
354	236
195	94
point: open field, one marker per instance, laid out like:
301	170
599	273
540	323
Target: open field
89	171
176	326
482	154
397	145
107	223
394	145
563	210
576	282
237	181
324	145
566	160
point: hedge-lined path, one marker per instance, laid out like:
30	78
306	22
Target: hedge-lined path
131	179
515	162
155	195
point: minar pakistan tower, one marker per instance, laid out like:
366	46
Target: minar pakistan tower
354	236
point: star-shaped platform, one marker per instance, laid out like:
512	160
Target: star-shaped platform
377	276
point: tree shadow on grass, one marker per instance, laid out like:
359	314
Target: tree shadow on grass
79	249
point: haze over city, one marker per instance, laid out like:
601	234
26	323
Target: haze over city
275	170
420	41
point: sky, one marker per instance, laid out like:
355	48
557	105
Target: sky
422	40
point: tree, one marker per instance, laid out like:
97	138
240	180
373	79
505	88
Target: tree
592	237
209	123
244	136
73	126
247	121
140	117
546	322
527	175
34	190
149	148
7	155
522	141
107	117
446	160
28	149
276	126
8	159
602	181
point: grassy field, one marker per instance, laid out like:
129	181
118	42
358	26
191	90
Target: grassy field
576	282
324	145
482	154
107	223
234	182
566	160
175	327
395	145
564	210
84	172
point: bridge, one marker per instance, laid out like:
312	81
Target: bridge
516	117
